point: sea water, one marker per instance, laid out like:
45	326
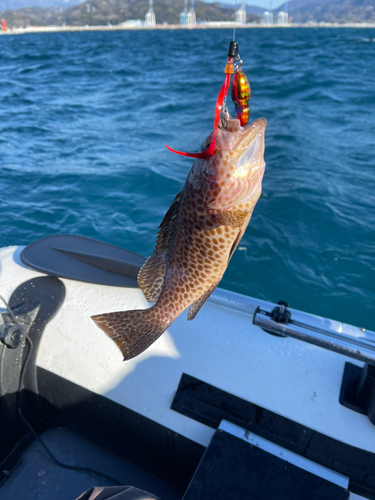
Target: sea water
84	119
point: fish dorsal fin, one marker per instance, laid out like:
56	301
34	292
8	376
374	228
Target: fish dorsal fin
152	274
167	225
196	306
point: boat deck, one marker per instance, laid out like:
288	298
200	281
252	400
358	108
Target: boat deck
160	411
38	477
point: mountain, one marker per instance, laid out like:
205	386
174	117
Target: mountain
339	11
250	9
20	4
101	12
165	10
95	12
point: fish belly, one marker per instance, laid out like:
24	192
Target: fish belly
198	260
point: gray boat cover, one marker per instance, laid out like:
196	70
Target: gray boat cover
116	493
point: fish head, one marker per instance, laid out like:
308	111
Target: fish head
234	173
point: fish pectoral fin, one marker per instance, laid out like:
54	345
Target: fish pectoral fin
233	218
196	306
152	275
234	244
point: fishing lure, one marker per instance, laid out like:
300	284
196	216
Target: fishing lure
240	95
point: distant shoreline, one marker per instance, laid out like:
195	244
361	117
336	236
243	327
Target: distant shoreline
53	29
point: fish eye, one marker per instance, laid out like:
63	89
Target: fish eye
207	144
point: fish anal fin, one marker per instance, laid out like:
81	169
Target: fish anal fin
151	276
196	306
232	218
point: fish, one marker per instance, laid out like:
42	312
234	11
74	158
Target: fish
197	237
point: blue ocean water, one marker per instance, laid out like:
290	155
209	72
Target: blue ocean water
84	119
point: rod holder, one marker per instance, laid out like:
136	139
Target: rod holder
358	345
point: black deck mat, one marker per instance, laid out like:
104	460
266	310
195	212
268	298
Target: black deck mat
232	469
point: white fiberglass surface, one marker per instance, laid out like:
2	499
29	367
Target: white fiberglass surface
221	347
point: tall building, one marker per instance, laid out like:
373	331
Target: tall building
282	17
267	18
240	15
183	15
191	19
150	16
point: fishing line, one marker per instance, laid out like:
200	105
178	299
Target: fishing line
235	21
40	440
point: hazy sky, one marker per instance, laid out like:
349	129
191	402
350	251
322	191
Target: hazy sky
260	3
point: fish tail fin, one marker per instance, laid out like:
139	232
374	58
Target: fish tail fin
133	331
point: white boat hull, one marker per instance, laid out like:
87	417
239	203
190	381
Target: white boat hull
221	347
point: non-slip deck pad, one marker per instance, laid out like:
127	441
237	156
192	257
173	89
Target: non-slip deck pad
233	469
210	405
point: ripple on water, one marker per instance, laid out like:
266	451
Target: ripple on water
84	122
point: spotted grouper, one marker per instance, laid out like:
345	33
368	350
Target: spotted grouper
196	238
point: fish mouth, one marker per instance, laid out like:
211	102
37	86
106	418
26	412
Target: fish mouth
251	134
249	148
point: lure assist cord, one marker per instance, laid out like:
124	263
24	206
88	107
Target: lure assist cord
240	94
219	106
